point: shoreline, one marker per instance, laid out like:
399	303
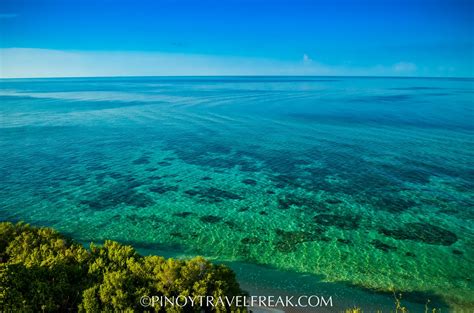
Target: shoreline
262	280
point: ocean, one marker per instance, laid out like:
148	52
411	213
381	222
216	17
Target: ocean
357	185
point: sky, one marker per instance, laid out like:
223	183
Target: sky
56	38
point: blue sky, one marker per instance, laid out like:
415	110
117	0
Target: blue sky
236	37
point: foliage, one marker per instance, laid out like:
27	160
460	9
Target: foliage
41	270
399	308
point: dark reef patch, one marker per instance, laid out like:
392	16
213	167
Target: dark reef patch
250	182
289	201
345	222
287	180
183	214
356	176
231	224
333	201
407	171
142	160
429	167
211	219
288	240
176	235
209	153
222	163
448	211
101	176
206	178
212	195
162	188
116	175
118	195
97	167
164	163
137	220
344	241
422	232
393	204
250	240
282	161
382	246
156	177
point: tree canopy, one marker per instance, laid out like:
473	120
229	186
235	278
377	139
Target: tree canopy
42	270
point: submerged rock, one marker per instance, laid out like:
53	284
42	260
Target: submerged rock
250	240
394	204
176	234
164	163
344	241
382	246
212	219
422	232
286	180
288	201
136	219
142	160
231	224
250	182
333	201
287	240
162	188
118	195
183	214
156	177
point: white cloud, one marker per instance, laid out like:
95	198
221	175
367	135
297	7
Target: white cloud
30	62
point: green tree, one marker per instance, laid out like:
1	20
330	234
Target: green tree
43	271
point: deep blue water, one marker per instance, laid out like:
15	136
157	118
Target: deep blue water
361	180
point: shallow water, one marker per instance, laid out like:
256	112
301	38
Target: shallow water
362	180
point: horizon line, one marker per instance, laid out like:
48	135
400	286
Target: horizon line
245	76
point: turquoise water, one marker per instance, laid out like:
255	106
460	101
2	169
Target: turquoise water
367	181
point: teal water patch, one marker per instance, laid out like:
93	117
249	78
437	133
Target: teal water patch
367	181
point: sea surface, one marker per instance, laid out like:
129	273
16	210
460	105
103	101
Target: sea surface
362	182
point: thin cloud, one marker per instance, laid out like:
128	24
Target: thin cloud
31	62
